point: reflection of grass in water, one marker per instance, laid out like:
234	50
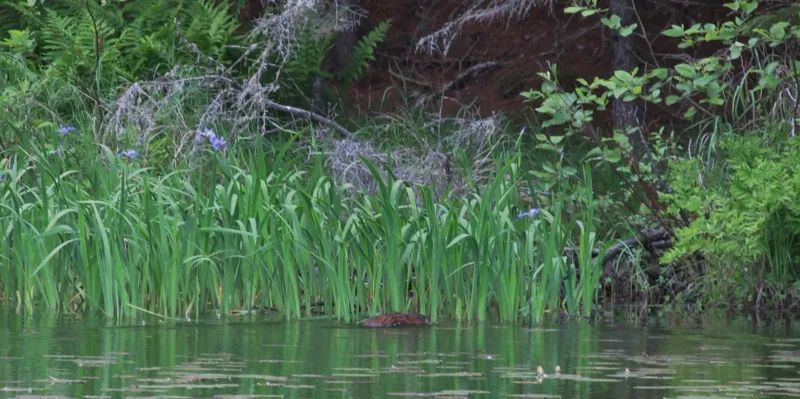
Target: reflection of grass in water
644	373
457	374
428	361
355	375
446	393
532	378
167	387
312	359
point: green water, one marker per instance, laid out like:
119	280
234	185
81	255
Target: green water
325	359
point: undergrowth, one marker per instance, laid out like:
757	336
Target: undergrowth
151	162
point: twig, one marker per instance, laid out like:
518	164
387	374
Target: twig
309	115
469	73
644	33
407	79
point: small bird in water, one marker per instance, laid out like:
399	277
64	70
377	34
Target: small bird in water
539	372
396	319
558	370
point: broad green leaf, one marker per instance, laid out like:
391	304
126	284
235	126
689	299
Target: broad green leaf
685	70
674	31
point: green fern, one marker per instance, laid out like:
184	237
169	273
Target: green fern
83	52
209	25
305	64
135	41
364	53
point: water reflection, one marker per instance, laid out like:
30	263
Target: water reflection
320	359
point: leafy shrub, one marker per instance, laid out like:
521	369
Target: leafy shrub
749	214
731	194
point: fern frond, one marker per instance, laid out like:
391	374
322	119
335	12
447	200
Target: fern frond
364	53
209	25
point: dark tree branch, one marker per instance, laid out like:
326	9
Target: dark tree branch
652	239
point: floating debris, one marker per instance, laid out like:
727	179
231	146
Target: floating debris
396	319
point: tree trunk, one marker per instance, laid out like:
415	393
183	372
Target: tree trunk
345	41
340	55
626	113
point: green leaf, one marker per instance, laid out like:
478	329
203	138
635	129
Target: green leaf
623	76
685	70
547	147
690	113
456	240
613	155
733	5
703	81
674	31
593	153
749	6
778	30
569	171
672	99
736	50
626	31
659	73
713	90
611	22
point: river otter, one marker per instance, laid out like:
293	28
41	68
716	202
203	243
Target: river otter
396	319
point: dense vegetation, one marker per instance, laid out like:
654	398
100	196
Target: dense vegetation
153	161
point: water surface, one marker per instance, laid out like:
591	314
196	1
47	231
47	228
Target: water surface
252	357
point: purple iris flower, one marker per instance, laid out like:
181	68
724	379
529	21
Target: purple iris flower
531	213
64	130
130	154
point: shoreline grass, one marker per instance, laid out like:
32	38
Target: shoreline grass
118	237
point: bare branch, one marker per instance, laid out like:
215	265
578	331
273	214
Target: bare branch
309	115
480	11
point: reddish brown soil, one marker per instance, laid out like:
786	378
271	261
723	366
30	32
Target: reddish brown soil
579	46
524	45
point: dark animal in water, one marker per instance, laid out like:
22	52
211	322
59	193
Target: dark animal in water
396	319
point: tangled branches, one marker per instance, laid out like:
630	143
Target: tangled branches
238	96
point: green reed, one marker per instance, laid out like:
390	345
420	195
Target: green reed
274	234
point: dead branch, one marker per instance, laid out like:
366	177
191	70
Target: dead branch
301	113
652	239
470	73
409	80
